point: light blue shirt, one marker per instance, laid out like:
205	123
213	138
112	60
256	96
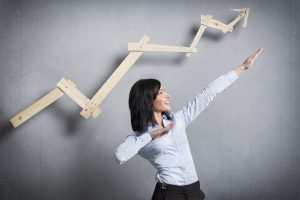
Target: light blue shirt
170	154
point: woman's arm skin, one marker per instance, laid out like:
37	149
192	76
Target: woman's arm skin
248	62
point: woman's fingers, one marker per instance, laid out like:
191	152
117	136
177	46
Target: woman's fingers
255	55
161	131
167	128
249	61
259	50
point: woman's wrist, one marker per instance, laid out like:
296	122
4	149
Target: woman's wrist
239	70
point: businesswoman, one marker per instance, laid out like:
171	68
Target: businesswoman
159	135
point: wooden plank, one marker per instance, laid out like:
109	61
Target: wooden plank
245	12
197	38
205	19
246	17
112	81
217	25
238	18
36	107
69	88
161	48
240	9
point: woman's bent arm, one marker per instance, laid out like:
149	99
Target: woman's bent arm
131	146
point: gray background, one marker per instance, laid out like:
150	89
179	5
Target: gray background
245	144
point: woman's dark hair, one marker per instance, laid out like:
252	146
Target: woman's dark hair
141	97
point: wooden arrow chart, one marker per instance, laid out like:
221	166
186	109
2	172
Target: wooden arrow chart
91	107
208	21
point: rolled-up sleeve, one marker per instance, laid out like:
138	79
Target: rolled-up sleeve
189	112
131	146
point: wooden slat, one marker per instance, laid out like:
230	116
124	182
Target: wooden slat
112	81
240	9
161	48
197	38
36	107
246	17
237	19
217	25
69	88
245	12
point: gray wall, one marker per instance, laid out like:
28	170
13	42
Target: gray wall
245	144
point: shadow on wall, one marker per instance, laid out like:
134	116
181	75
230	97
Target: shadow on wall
71	119
6	128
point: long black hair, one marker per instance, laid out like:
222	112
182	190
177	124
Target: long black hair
141	97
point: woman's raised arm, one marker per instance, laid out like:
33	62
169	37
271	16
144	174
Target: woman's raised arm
189	112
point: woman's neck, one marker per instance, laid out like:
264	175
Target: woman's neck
158	117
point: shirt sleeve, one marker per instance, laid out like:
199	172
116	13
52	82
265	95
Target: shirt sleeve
189	112
131	146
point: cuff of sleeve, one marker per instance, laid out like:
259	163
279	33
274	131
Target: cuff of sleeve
232	76
145	138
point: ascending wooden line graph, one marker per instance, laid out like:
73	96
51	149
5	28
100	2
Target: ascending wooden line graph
91	107
208	21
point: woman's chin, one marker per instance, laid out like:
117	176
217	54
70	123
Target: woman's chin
168	109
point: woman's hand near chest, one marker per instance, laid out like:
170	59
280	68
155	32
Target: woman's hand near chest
161	131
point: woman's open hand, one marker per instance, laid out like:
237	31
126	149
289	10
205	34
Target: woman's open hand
248	62
161	131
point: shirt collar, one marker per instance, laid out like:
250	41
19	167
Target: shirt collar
166	122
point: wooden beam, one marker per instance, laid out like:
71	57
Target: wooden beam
69	88
238	18
245	12
112	81
217	25
36	107
161	48
246	17
197	38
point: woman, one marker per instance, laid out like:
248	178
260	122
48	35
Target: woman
160	137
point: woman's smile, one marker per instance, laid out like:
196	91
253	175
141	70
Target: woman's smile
162	101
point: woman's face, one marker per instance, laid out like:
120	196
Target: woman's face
162	101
